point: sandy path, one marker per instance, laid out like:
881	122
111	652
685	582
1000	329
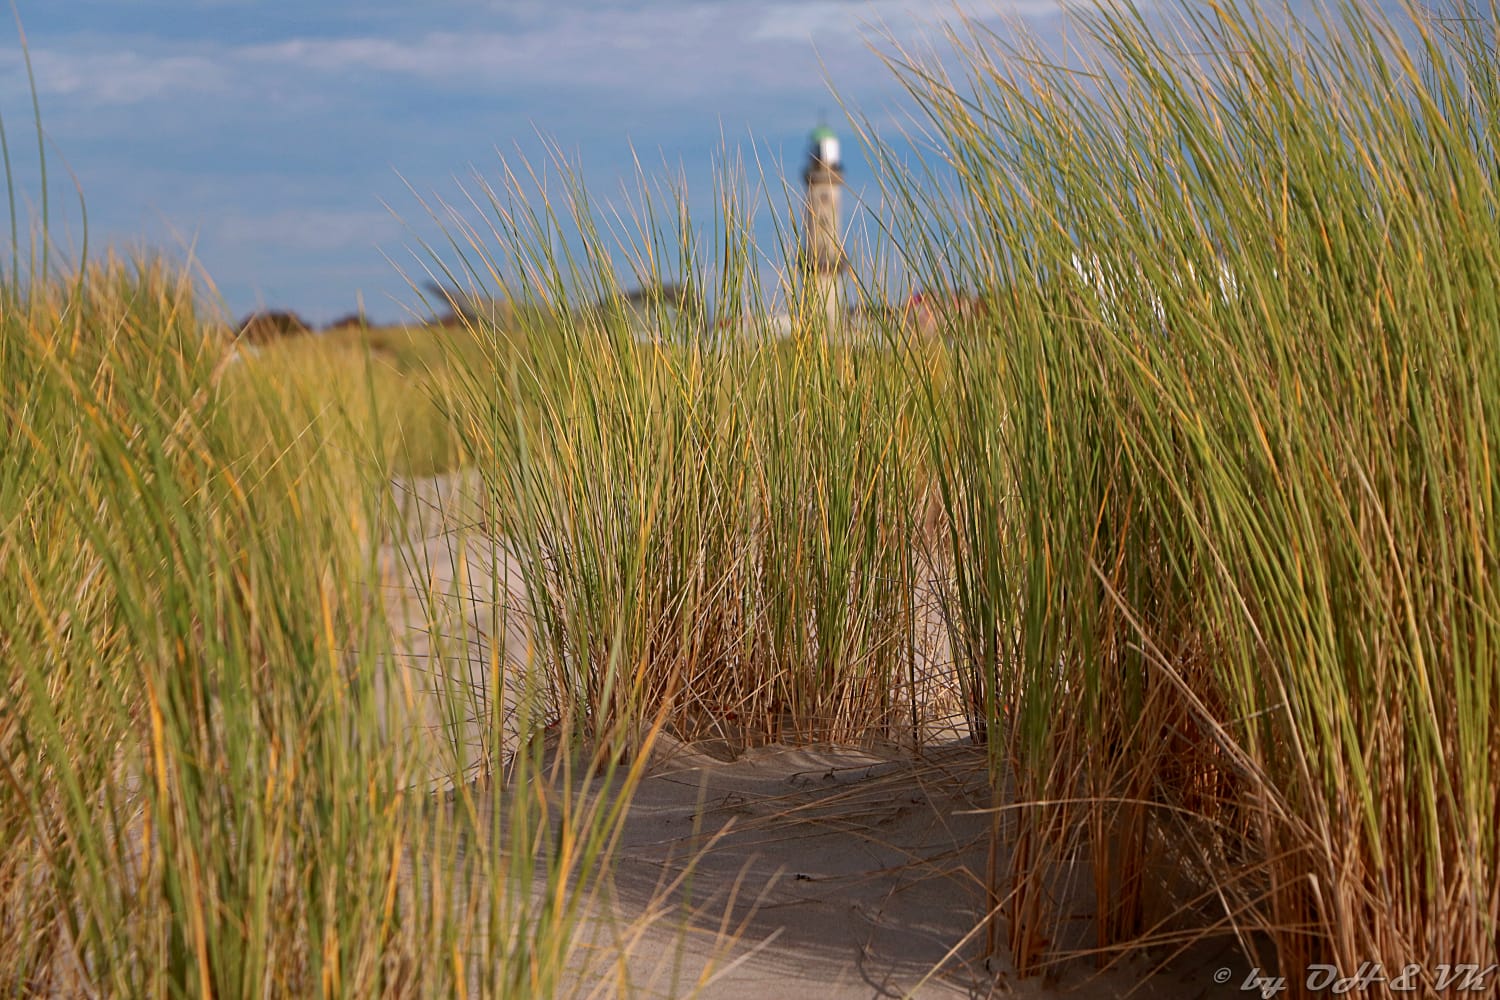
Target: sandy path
843	874
454	598
814	872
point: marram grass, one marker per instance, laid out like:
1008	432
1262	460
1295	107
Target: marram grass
1220	465
709	524
203	792
1201	473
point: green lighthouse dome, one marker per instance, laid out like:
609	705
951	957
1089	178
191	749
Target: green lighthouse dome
824	147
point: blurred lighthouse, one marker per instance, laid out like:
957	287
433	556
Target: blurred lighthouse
823	260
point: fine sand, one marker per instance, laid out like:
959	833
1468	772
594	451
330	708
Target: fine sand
804	872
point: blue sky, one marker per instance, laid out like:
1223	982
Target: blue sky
276	139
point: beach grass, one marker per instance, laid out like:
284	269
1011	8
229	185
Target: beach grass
1194	477
208	786
1223	465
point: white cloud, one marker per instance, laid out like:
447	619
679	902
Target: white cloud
431	54
120	77
663	50
315	230
822	20
827	21
641	50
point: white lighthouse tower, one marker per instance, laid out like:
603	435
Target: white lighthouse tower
823	260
